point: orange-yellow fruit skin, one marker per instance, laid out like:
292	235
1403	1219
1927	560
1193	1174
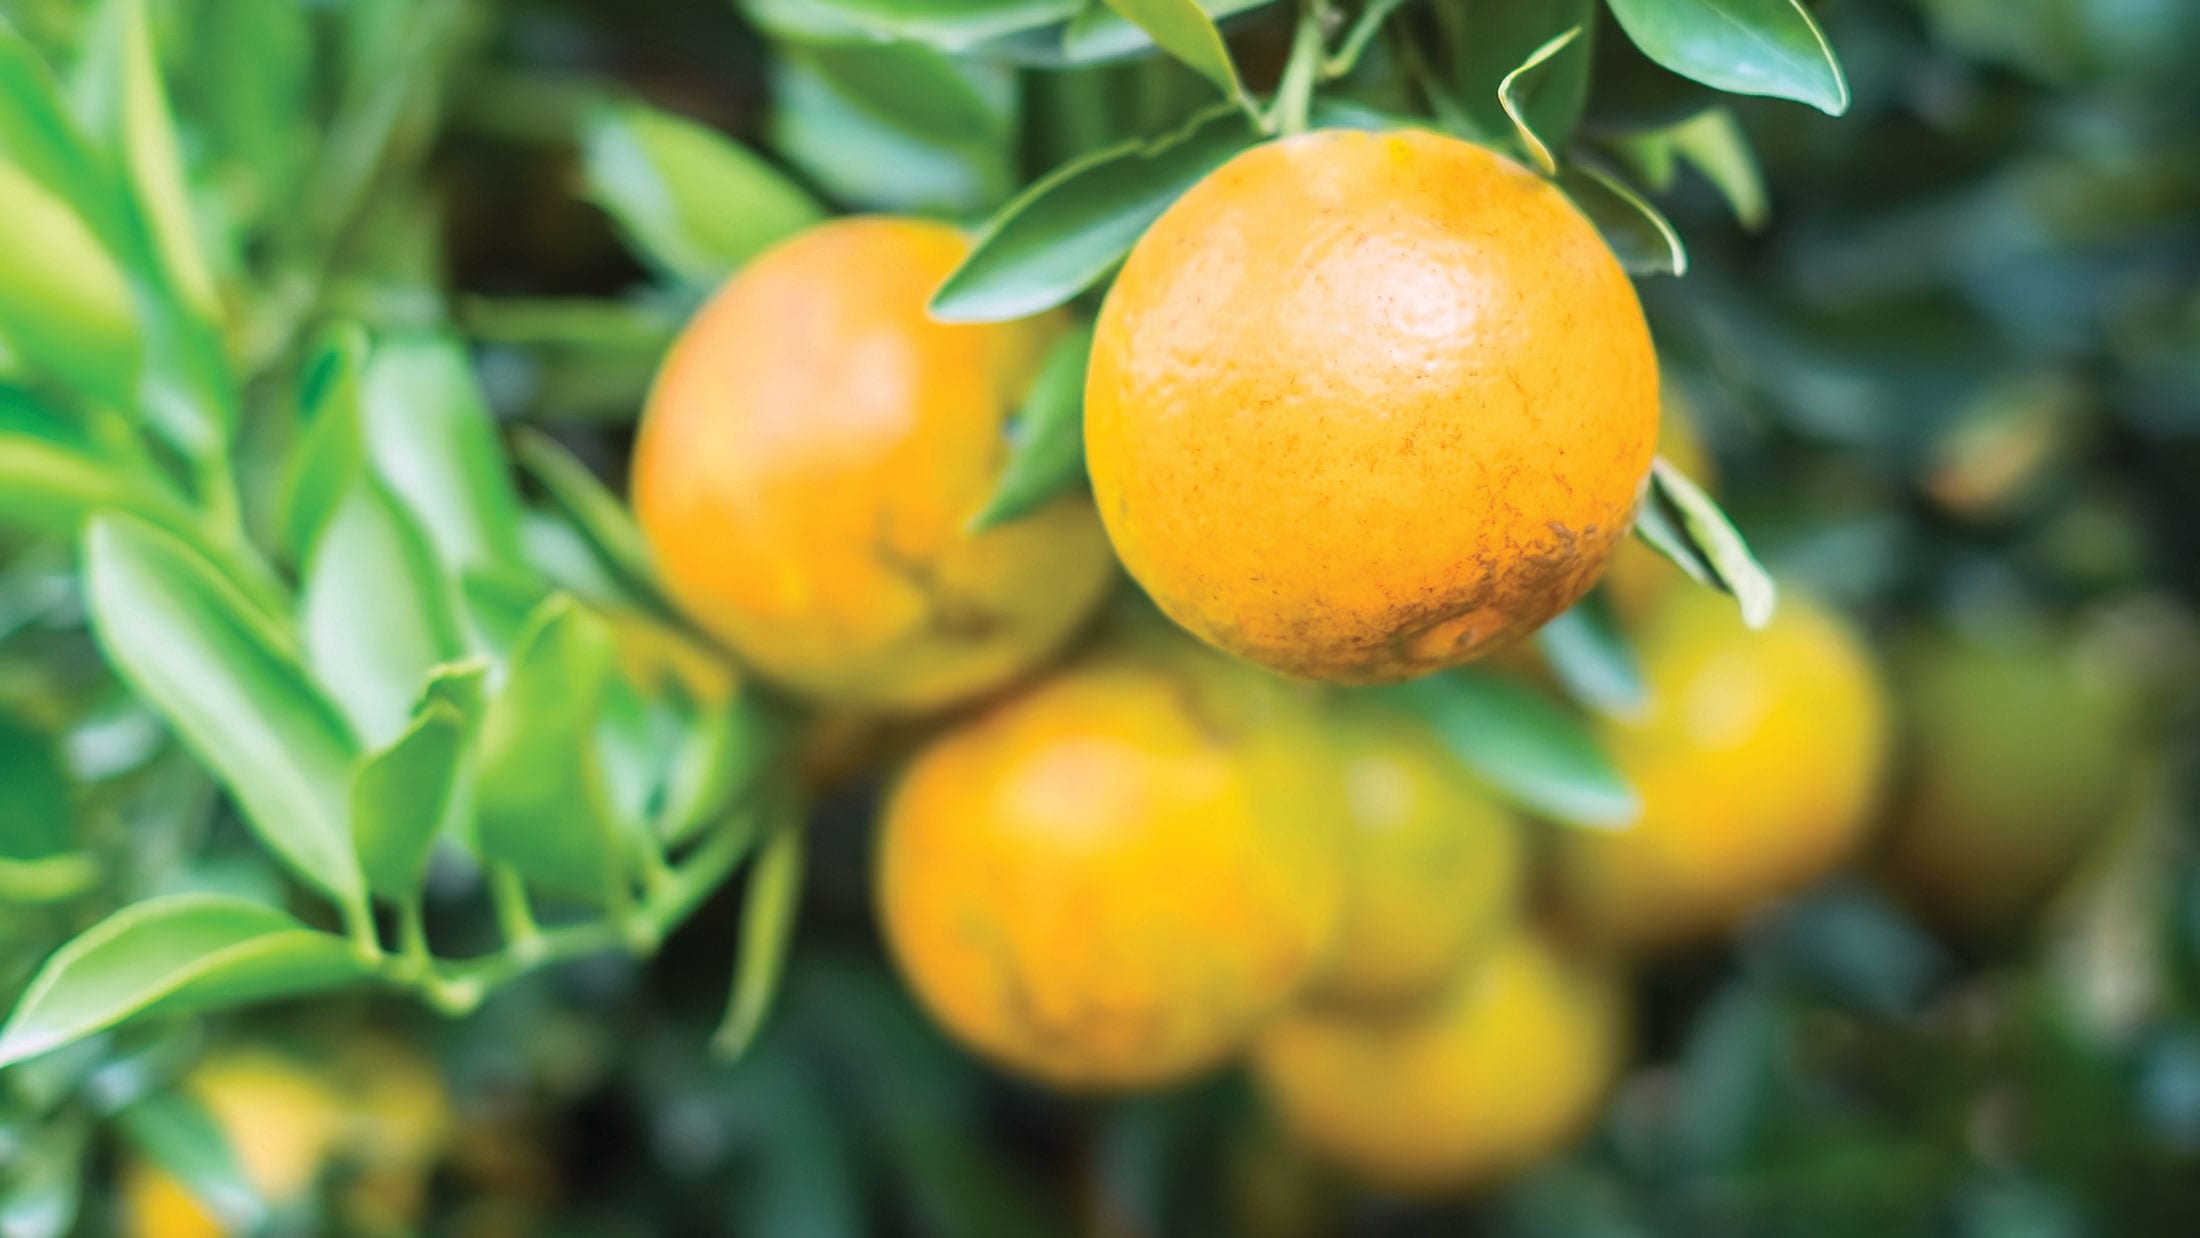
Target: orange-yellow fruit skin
812	454
1109	880
1432	866
1362	406
1504	1068
1757	758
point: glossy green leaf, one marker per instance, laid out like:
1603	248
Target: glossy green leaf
1686	525
173	955
947	24
1183	29
232	689
376	610
1640	237
1590	656
1516	89
120	86
596	514
400	798
1712	142
1526	748
1058	237
695	202
1046	454
1749	47
918	90
542	802
174	1132
1496	40
770	903
433	441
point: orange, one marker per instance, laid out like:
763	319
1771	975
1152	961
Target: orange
2024	749
1757	758
810	460
1432	865
1112	878
1637	576
1506	1067
1363	406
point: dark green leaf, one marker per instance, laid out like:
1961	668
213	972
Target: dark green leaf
1590	656
173	955
1726	1077
376	610
918	91
400	799
1750	47
233	690
1523	84
692	200
174	1132
724	754
1047	447
36	816
1686	525
542	802
1064	232
597	515
1525	747
1640	237
1497	39
773	897
1183	29
947	24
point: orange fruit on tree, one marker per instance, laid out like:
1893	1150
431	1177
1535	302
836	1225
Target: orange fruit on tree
2024	752
1506	1066
1757	758
813	451
1366	405
1432	863
1111	878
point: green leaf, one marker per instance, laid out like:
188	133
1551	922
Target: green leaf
1058	237
1686	525
252	67
770	903
50	488
724	755
1100	34
376	610
1639	235
1527	749
65	305
1513	93
399	801
1748	47
329	452
597	515
120	86
690	199
543	805
946	24
1183	29
432	440
47	879
1591	657
918	91
176	1133
829	123
1047	447
37	819
1498	39
232	689
173	955
1713	143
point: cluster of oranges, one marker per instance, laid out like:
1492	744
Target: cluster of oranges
1359	407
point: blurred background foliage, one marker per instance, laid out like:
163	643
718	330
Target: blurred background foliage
1943	354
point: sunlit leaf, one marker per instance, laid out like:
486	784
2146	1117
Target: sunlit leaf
432	440
172	955
603	522
402	795
1184	30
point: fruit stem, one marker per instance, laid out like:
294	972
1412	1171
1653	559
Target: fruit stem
1295	93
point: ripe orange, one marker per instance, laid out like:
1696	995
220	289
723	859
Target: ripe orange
1112	878
2024	751
1507	1066
1756	758
1362	406
812	453
1432	864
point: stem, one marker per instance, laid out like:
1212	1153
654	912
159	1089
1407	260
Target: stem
515	919
1358	37
1295	93
358	916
